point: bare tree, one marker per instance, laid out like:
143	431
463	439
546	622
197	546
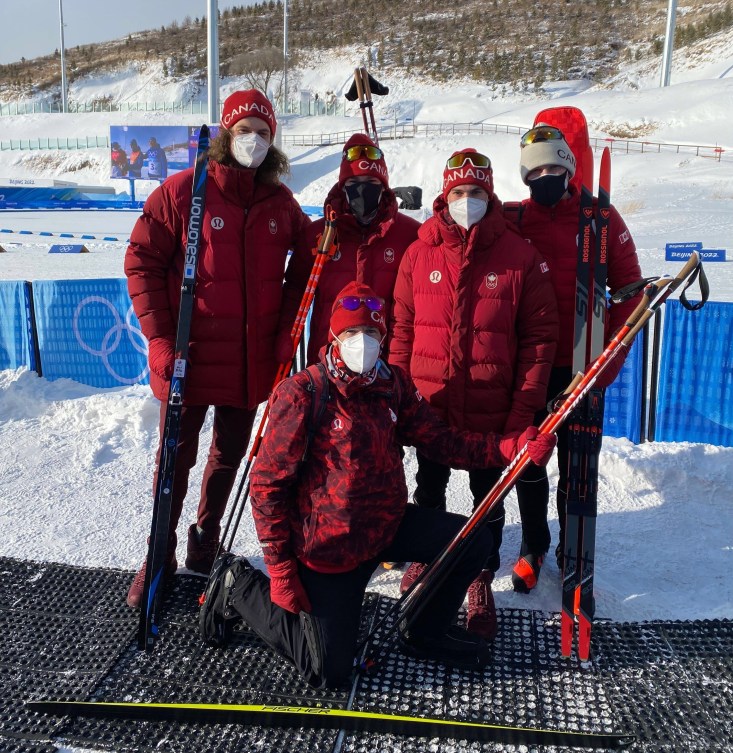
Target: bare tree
258	67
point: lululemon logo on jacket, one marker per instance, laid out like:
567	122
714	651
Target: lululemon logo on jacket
217	223
435	276
337	424
389	255
492	280
273	226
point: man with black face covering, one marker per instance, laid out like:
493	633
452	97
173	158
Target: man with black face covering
371	235
549	220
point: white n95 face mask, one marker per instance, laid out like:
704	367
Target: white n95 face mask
360	352
249	149
467	211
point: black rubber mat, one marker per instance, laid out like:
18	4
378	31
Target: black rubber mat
68	635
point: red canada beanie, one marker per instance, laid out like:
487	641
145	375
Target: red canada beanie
250	103
468	174
342	318
362	165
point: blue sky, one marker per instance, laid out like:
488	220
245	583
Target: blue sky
30	28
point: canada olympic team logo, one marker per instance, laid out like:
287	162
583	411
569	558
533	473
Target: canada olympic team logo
112	338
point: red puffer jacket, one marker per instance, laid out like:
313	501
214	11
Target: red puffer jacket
343	506
248	228
371	257
475	322
554	231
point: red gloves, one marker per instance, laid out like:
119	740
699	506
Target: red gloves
613	367
286	590
539	446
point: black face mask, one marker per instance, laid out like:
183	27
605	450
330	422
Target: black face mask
363	200
548	189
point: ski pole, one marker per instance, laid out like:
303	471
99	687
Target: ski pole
362	99
325	251
409	606
369	104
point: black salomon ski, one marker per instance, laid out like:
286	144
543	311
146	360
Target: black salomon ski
316	717
159	529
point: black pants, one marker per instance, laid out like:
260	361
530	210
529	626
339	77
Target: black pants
322	643
533	489
432	481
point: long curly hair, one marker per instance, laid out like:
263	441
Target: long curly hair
273	167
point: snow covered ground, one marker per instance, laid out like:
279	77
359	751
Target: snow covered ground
76	462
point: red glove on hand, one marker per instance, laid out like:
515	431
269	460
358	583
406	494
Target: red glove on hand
613	367
539	446
286	590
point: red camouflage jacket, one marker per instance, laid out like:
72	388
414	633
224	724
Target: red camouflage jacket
475	322
343	506
247	231
371	256
554	231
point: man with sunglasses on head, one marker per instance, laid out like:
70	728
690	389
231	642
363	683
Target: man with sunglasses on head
329	500
475	325
371	235
549	220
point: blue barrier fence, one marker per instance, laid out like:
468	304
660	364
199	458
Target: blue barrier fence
696	375
87	331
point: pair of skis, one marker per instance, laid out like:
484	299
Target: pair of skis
157	557
585	427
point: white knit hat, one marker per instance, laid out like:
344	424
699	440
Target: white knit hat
541	153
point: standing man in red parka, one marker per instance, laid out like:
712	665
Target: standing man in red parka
475	324
250	222
371	235
549	220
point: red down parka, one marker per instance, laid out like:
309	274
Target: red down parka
369	255
248	228
554	231
343	506
475	322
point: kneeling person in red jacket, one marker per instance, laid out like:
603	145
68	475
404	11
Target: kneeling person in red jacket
326	522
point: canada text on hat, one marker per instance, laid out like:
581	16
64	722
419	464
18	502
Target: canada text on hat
467	174
249	103
376	168
542	153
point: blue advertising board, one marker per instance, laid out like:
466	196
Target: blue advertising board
88	331
695	402
68	248
681	251
193	140
15	332
622	412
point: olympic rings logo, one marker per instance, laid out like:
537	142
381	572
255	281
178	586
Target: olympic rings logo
113	337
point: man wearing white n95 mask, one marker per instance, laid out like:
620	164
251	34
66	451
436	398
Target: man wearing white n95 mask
475	325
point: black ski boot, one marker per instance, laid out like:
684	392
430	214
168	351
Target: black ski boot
217	617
